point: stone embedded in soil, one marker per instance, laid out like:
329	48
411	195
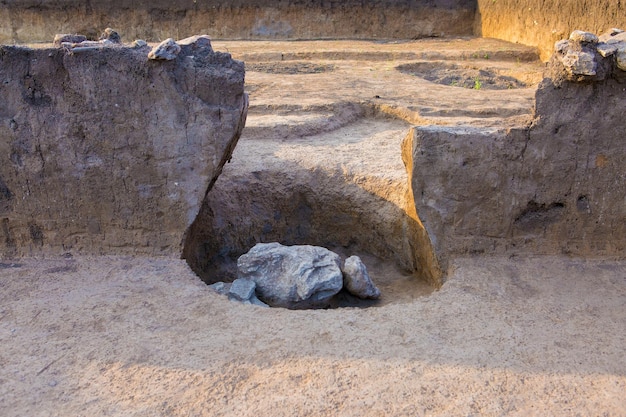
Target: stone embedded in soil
587	57
196	45
582	36
165	51
294	277
254	300
580	63
356	279
111	36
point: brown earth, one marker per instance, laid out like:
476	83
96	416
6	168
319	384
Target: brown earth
138	336
541	23
36	21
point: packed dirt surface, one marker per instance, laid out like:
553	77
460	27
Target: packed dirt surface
139	336
144	336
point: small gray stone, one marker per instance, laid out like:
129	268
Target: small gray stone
139	43
581	36
165	51
220	287
356	279
242	289
606	49
111	36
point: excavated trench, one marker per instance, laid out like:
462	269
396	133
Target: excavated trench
320	163
318	189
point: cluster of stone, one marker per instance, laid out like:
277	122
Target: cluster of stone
587	57
169	48
74	43
296	277
241	289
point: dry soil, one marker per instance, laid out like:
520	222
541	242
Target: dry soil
139	336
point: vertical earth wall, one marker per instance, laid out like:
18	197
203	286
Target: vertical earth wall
37	21
105	151
541	23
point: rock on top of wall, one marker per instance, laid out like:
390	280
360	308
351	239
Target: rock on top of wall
587	57
105	151
553	187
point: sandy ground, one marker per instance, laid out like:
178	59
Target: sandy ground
114	336
133	336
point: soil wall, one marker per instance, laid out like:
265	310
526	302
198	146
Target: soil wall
541	23
39	21
105	151
556	187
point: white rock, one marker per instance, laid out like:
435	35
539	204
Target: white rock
242	289
579	63
606	49
356	279
611	35
292	276
166	50
582	36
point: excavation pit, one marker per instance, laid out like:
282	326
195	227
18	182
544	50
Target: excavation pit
454	75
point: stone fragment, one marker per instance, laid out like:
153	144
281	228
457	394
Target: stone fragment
606	49
293	277
241	289
221	287
196	45
561	46
579	63
356	279
139	43
613	35
254	300
68	38
111	36
581	36
165	51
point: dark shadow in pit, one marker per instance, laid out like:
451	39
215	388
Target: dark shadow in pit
292	205
454	75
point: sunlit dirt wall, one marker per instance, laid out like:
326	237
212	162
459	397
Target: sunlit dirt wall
36	21
541	23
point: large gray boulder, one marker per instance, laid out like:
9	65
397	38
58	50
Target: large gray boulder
294	277
105	151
